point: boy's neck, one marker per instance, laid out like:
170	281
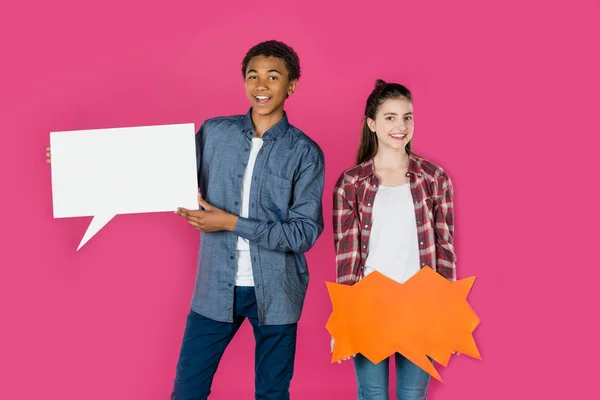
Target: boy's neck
262	123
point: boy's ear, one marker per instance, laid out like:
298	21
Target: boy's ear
293	85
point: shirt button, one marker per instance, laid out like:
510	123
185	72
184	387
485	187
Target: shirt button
254	259
245	149
258	286
421	243
369	204
366	226
407	174
230	284
236	203
364	246
240	175
231	257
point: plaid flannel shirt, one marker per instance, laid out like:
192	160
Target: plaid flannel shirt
353	198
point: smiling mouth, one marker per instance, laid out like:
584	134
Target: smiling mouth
399	136
262	99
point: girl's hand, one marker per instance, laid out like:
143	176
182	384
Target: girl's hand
344	359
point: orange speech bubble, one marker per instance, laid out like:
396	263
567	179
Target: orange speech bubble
426	316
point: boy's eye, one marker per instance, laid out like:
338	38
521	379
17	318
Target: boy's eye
390	118
273	77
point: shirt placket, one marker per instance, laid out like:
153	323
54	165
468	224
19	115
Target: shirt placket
253	213
366	222
417	198
236	207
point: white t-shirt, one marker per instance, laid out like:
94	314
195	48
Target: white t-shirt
394	243
243	274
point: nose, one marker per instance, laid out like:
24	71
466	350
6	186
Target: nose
401	126
262	84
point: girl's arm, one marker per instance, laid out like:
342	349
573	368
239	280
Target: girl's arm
444	229
346	235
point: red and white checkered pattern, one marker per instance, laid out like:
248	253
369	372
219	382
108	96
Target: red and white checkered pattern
353	198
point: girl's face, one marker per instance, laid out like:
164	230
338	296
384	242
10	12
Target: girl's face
393	123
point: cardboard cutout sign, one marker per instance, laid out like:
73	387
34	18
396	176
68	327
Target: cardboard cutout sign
426	316
106	172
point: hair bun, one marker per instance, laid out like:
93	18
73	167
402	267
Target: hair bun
379	83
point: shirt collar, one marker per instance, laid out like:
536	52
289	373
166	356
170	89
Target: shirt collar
273	133
368	169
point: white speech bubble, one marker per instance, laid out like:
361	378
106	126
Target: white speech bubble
105	172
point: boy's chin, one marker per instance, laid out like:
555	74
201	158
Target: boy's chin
265	110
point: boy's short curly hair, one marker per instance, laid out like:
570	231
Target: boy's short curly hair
274	48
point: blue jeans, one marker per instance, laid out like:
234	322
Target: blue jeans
205	341
373	379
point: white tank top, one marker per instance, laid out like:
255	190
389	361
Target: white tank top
394	243
243	273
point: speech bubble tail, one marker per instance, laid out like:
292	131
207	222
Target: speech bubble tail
97	223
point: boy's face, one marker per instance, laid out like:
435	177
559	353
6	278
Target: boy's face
267	84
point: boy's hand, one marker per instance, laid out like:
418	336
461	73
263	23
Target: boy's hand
211	219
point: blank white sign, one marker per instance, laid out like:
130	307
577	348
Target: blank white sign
105	172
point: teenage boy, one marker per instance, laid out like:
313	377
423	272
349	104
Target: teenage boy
261	184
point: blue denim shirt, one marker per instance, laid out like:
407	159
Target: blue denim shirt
284	221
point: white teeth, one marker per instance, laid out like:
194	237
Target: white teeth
261	97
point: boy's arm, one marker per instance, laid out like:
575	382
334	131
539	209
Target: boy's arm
305	222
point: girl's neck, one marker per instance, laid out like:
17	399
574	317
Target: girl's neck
391	159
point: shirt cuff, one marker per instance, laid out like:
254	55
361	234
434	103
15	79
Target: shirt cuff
245	228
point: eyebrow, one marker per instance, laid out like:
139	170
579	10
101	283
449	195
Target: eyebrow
393	113
269	71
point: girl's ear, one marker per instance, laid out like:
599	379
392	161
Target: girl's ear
371	124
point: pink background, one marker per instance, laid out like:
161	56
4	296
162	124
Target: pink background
506	99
